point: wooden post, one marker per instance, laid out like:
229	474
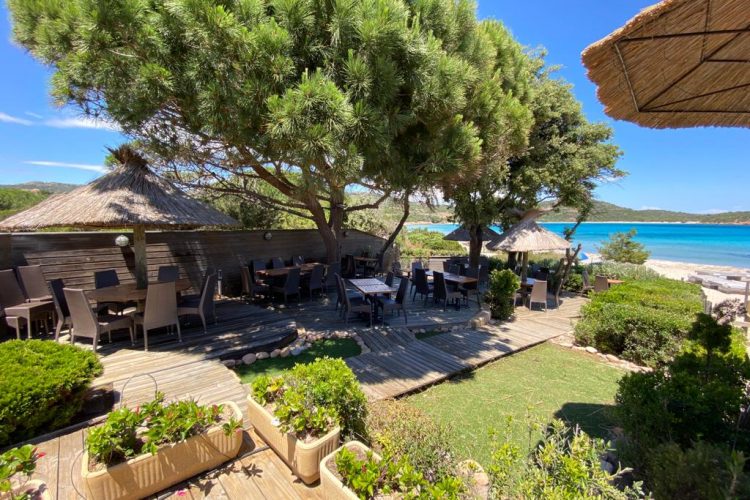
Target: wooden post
524	266
139	249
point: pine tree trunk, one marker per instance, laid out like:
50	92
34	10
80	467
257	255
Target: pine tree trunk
475	244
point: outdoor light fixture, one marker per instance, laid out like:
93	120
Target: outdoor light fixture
122	241
267	235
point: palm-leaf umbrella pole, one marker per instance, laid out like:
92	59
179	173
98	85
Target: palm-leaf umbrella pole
528	236
132	196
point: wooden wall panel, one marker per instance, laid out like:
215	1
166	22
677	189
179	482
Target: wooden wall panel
75	257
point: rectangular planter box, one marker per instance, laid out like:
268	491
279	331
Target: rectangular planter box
147	474
333	488
303	458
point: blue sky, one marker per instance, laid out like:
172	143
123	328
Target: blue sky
696	170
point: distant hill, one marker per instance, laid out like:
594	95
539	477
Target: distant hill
49	187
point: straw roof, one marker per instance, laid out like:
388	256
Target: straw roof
462	234
528	236
127	196
679	63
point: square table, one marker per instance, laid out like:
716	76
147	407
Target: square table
283	271
456	278
371	286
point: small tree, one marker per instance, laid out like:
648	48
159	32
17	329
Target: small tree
500	296
621	247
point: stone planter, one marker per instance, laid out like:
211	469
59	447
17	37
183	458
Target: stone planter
303	458
147	474
333	488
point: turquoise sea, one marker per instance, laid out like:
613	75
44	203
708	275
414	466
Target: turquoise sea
699	243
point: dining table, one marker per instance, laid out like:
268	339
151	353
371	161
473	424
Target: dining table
283	271
129	292
372	286
456	278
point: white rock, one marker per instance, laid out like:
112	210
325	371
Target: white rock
229	363
297	351
591	350
249	359
275	353
285	352
262	355
612	357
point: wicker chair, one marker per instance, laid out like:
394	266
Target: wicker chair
397	304
61	306
354	305
160	310
442	293
538	294
86	324
33	282
290	286
203	307
17	309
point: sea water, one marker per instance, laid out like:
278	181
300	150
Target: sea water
718	244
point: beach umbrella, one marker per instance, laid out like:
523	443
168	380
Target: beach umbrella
462	234
528	236
129	196
679	63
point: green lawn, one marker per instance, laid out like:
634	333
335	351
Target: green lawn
333	348
543	382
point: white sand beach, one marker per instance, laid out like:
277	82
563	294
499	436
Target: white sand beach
681	271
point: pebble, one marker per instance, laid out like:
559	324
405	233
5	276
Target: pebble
297	351
229	363
275	353
612	357
262	355
249	359
591	350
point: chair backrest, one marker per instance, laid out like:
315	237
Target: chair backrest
58	297
420	281
207	294
484	274
277	263
161	305
396	268
168	273
601	284
455	269
33	282
447	266
316	276
472	272
103	279
298	260
585	278
11	293
258	265
350	266
343	297
389	279
291	285
539	291
401	294
333	270
245	278
84	322
441	289
541	275
417	264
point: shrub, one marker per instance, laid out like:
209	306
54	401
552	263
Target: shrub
701	471
565	464
43	386
622	271
399	430
622	248
310	399
128	433
424	243
645	321
16	467
502	290
574	283
368	478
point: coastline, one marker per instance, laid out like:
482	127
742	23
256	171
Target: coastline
681	270
425	223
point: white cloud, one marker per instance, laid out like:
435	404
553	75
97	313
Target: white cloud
81	122
14	119
80	166
33	115
646	207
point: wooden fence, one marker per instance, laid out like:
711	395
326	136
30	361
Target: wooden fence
75	256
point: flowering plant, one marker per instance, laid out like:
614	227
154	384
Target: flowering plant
16	467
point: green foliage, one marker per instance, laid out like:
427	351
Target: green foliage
399	430
310	399
698	396
622	271
503	287
128	433
16	466
565	464
621	247
700	471
14	200
43	386
370	478
643	321
423	243
574	283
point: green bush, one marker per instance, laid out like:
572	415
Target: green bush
574	283
423	243
621	247
622	271
310	399
700	471
502	290
399	430
42	387
565	464
644	321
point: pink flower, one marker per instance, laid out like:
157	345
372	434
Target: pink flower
41	455
181	493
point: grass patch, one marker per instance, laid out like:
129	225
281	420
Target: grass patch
333	348
542	382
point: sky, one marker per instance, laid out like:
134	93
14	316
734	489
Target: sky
694	170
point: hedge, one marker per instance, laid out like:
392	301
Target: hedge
644	321
43	385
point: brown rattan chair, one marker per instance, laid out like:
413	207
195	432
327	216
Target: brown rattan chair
160	310
33	283
13	301
354	305
62	311
315	280
298	260
443	294
290	286
277	263
87	324
203	307
601	284
397	304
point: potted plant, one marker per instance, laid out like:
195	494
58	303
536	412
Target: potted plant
354	472
16	468
302	413
502	293
136	453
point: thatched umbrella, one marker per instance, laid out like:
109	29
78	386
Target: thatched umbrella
679	63
131	195
462	234
528	236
